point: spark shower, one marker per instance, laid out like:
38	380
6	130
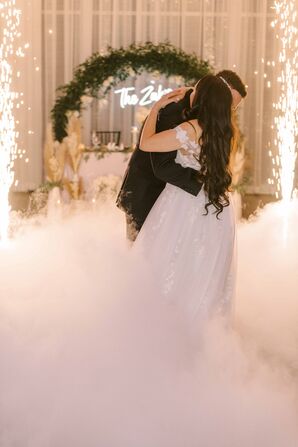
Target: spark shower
9	19
286	107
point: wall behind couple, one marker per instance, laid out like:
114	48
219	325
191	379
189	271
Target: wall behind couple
230	34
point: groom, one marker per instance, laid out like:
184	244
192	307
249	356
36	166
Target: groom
149	172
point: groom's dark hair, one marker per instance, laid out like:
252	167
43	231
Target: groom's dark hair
234	81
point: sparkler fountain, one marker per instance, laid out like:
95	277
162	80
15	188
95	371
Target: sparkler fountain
286	107
9	19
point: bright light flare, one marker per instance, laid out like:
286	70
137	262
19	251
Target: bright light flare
286	107
9	22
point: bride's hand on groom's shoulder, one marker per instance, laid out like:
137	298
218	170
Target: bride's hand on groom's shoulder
173	96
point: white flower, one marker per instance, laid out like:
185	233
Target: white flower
86	99
178	80
131	72
156	74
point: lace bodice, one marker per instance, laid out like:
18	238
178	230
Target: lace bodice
191	148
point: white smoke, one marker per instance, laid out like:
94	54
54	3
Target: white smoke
91	356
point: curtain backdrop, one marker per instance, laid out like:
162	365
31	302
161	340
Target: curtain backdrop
230	34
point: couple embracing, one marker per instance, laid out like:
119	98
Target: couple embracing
175	194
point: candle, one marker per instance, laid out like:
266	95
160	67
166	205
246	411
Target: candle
134	136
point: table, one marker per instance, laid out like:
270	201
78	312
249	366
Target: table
95	164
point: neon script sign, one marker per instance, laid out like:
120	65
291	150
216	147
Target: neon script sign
148	95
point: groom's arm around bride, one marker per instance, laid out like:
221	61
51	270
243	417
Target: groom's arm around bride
148	173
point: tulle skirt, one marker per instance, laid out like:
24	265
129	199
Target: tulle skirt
191	254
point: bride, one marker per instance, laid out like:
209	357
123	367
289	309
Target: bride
188	240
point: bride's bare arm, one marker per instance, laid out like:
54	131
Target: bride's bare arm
163	141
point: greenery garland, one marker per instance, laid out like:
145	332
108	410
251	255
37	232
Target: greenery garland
98	74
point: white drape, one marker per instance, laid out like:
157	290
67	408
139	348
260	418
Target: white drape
231	34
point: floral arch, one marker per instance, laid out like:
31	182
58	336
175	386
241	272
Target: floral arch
99	73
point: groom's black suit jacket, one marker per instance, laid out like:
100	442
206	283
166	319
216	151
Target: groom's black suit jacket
149	172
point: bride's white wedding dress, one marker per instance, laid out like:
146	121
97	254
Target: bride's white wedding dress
190	254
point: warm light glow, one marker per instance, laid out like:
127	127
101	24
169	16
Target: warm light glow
149	94
9	21
286	107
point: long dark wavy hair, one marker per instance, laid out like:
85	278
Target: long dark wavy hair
212	107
